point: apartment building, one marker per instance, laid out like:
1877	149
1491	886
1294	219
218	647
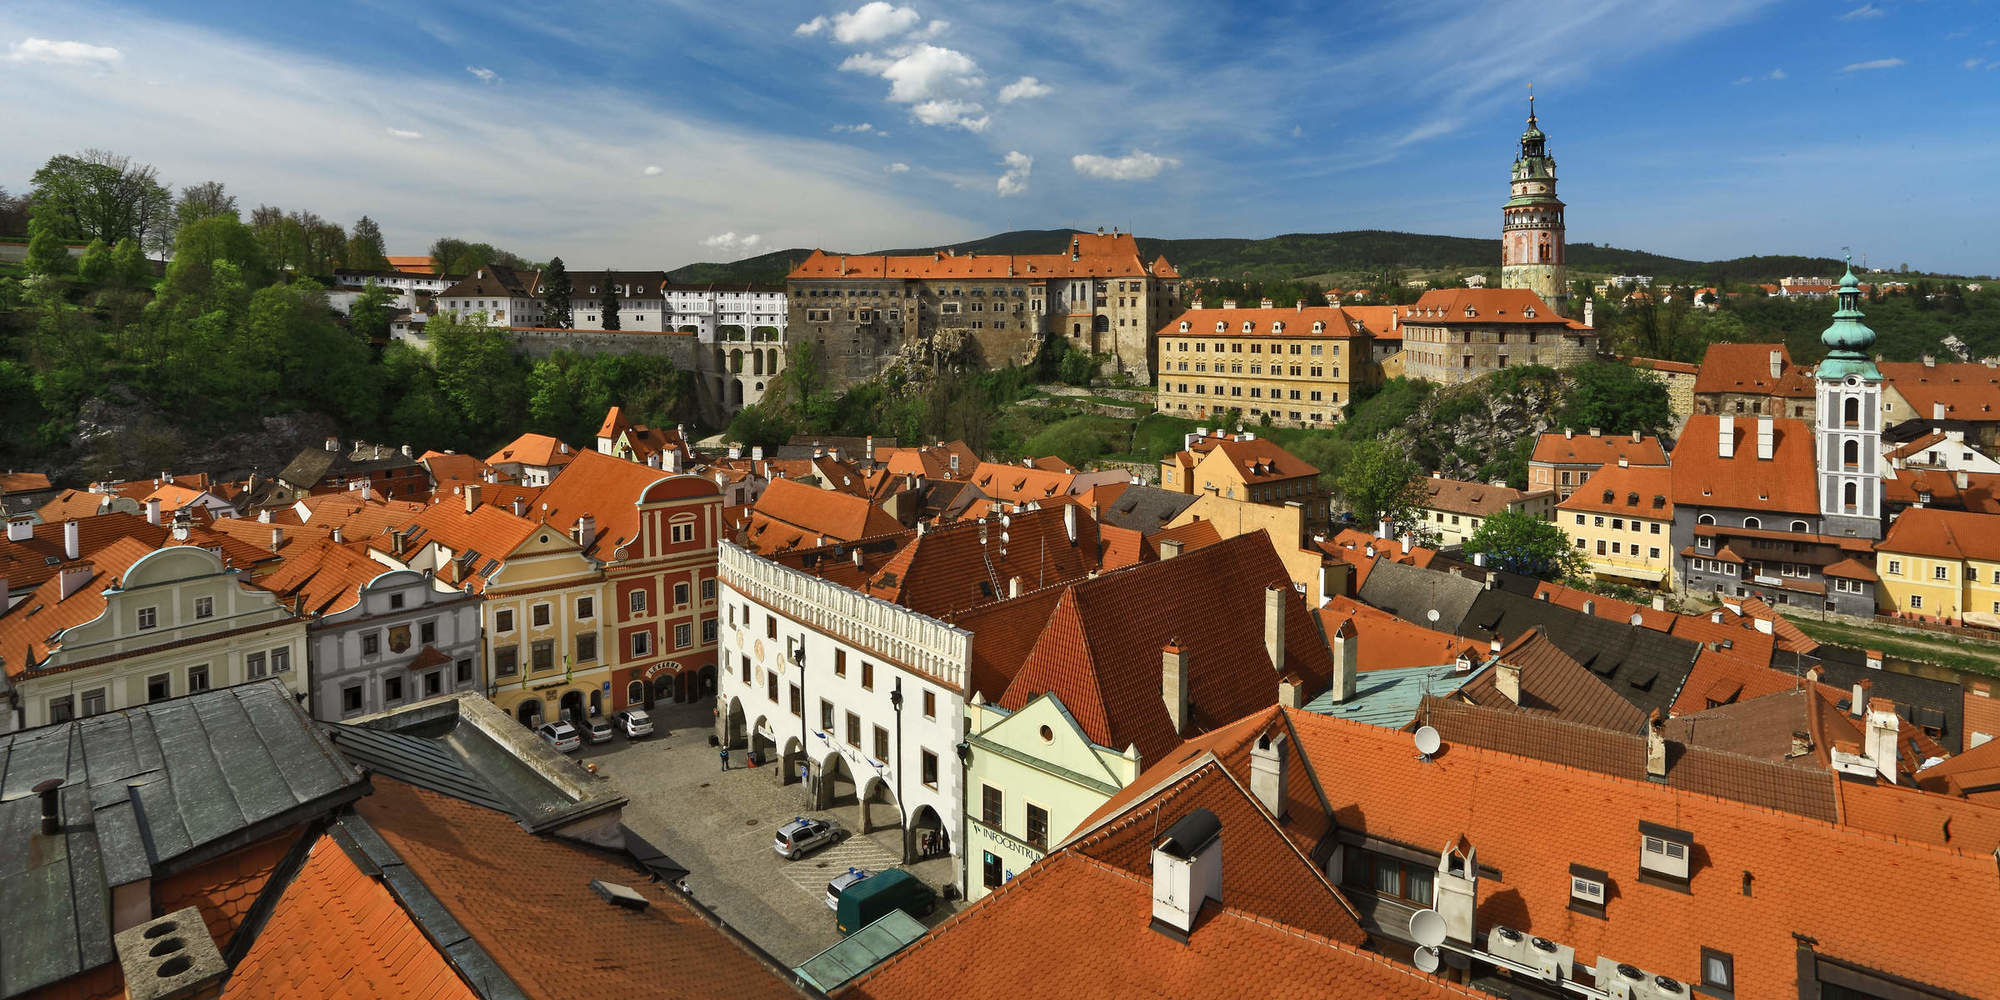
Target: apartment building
1622	523
1246	468
1561	462
1943	566
506	297
1297	366
1454	509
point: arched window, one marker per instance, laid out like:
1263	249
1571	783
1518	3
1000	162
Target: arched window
635	693
1705	519
1850	452
1849	496
1850	412
1753	523
1799	526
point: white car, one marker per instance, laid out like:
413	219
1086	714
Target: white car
841	883
560	735
634	723
595	730
801	836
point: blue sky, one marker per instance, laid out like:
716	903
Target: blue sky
650	133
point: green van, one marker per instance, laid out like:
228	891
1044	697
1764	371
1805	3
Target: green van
872	897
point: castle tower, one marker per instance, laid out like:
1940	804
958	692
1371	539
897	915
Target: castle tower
1531	239
1849	436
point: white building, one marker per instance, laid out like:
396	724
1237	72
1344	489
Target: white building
506	297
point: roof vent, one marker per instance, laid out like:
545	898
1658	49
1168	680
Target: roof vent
170	957
619	895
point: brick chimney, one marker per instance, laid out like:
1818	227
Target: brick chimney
1174	684
1274	626
1346	648
1270	771
471	491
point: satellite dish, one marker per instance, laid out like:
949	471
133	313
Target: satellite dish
1432	614
1426	959
1427	927
1428	741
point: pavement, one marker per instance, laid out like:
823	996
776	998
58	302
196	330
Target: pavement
719	826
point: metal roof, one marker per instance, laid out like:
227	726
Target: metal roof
860	951
1389	698
1144	509
1411	594
146	792
1645	667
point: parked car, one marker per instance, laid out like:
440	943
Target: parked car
894	889
634	723
802	836
560	735
595	730
841	883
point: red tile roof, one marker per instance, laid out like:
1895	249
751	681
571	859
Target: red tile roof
1283	322
23	482
791	515
74	504
224	889
33	628
1659	365
1635	491
337	933
1969	391
323	577
962	565
1386	642
1974	774
1259	461
1597	449
538	450
1100	255
1788	482
1746	368
1021	484
1552	682
610	490
1938	487
25	564
452	467
1945	534
1448	307
1476	499
527	901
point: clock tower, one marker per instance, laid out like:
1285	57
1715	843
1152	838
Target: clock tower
1531	238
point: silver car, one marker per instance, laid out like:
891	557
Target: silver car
595	730
634	722
802	836
560	735
841	883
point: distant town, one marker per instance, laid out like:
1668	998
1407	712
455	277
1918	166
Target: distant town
985	623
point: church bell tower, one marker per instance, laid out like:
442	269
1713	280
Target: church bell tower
1849	431
1531	239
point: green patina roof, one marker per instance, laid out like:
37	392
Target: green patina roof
1847	341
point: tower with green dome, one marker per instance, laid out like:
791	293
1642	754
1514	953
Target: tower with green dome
1531	237
1849	436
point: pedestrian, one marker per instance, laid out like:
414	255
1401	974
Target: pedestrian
725	758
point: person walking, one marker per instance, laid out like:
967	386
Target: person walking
725	758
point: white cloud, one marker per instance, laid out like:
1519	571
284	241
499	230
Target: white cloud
652	170
1298	131
932	30
1741	80
44	50
485	75
959	113
896	168
733	244
1776	74
1023	89
927	72
1136	166
1015	180
860	128
812	27
872	22
1872	64
403	133
1866	10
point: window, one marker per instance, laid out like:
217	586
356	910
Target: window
159	687
464	672
539	615
991	870
1663	853
881	744
1586	890
350	699
1718	968
1390	877
637	602
642	644
586	607
204	607
506	661
840	663
503	621
93	702
1940	573
930	704
680	595
198	678
395	602
1895	567
542	655
681	532
708	630
371	643
867	676
770	627
392	690
1917	602
707	591
62	709
930	769
991	806
825	715
149	618
853	730
683	635
586	647
771	686
1038	827
798	702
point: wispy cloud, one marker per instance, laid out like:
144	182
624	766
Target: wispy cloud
652	170
404	133
1871	64
1866	10
1015	180
1776	74
860	128
485	75
733	243
1023	89
896	168
43	50
1134	166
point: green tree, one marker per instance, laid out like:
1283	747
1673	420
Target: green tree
1077	440
477	372
371	312
216	238
608	306
98	194
1615	398
1519	542
201	201
761	426
129	266
94	268
47	254
1380	481
365	249
555	295
1076	368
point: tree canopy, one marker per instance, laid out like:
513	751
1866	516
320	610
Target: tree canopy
1519	542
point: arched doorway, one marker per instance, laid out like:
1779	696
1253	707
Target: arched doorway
596	702
572	706
1100	324
735	731
662	689
837	790
706	677
881	813
529	712
763	741
638	695
927	836
794	758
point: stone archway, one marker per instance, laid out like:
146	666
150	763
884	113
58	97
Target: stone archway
837	790
763	741
882	815
927	836
791	761
529	712
735	731
596	702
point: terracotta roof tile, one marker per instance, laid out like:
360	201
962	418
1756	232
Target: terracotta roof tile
1448	307
1476	499
951	568
1598	449
1020	484
1746	368
538	450
1280	321
790	515
224	889
1969	391
33	628
610	490
1551	681
1948	534
325	578
1100	255
26	563
1785	483
1386	642
1636	491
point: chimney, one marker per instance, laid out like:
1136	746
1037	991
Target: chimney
1507	678
277	539
339	537
1270	767
1479	560
1013	583
1725	436
1777	364
71	578
1880	743
1660	602
367	491
153	510
1962	478
1174	684
735	452
264	516
1187	872
72	539
1263	303
471	497
756	453
1656	747
1863	690
1874	659
1597	432
183	523
1385	528
586	530
50	790
1767	438
1228	303
170	958
1274	626
1930	360
1069	521
1801	744
20	529
1346	650
860	561
333	444
1169	548
1590	312
519	507
1569	434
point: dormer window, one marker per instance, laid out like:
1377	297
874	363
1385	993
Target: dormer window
1249	327
1609	496
1529	312
1184	326
1663	855
1221	327
1278	327
1470	312
1319	327
1586	890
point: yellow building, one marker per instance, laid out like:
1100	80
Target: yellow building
1298	366
1622	520
1284	523
1453	509
1941	565
134	624
1244	467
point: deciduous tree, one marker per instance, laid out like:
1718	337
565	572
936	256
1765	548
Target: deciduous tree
97	194
48	255
1380	481
1519	542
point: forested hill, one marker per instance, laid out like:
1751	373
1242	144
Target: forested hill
1299	255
